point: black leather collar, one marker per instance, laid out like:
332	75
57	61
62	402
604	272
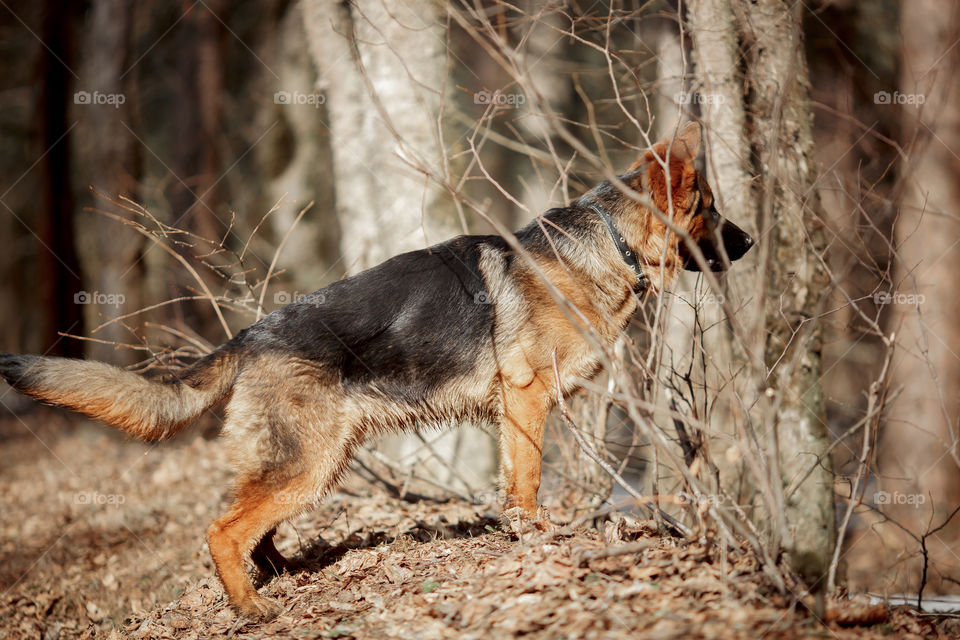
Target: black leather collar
628	255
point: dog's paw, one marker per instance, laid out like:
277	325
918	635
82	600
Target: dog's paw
259	608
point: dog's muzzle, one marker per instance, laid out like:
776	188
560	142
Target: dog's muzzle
718	232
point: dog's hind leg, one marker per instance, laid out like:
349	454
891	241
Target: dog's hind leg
261	504
292	451
255	511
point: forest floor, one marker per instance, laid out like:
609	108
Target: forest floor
102	536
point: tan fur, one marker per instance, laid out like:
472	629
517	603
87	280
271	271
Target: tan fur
144	408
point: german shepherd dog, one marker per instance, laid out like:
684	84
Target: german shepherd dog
466	330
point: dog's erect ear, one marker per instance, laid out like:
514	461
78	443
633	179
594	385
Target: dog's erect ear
686	145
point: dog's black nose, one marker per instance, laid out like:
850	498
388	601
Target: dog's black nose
736	241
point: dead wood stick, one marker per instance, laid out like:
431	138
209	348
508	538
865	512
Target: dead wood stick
627	549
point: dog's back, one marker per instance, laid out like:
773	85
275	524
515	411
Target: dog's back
403	327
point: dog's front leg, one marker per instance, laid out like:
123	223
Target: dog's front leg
521	440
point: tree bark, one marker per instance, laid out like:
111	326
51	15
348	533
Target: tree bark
717	92
719	83
790	240
384	70
299	162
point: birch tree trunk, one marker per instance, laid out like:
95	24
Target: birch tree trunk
383	65
719	83
678	338
791	275
384	70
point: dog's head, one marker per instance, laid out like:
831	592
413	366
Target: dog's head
689	204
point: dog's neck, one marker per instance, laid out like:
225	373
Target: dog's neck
626	252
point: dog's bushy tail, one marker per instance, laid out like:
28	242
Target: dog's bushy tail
149	409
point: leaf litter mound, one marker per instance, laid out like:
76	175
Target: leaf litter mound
372	565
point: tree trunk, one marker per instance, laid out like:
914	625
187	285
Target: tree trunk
790	240
678	335
383	66
108	161
196	165
719	87
384	207
59	268
919	456
300	164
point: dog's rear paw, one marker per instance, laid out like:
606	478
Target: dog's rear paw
259	608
